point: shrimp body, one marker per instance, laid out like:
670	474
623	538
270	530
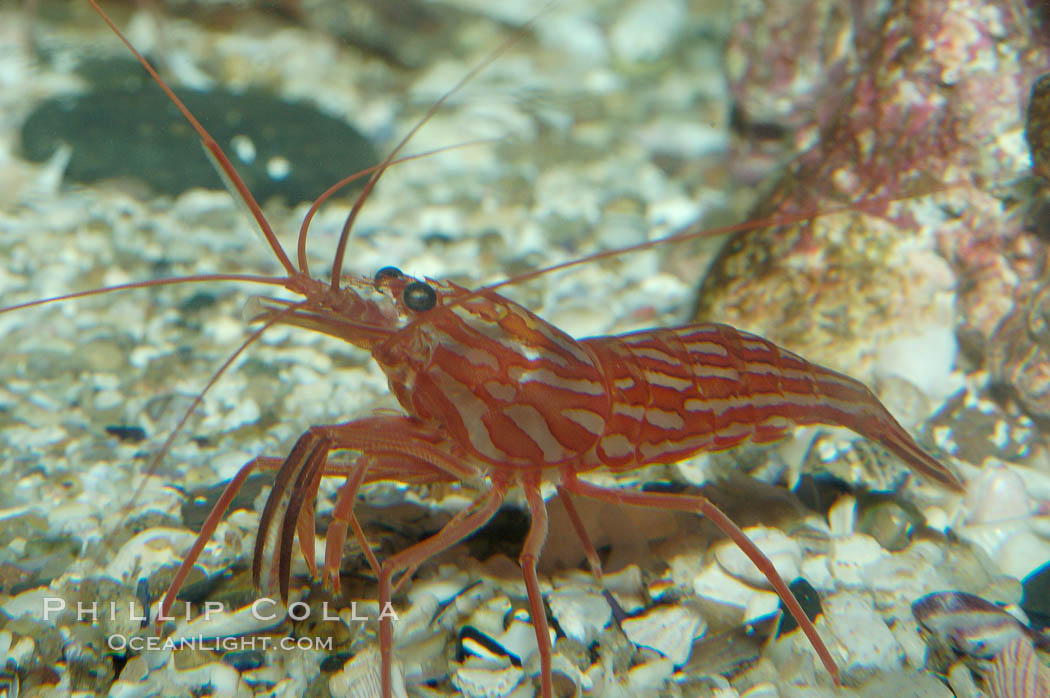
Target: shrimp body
513	391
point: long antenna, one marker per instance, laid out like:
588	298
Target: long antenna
216	153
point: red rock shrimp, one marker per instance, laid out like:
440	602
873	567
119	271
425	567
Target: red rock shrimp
454	452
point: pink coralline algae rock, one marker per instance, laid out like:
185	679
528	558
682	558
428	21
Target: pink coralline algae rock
925	100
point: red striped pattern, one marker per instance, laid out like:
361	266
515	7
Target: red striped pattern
513	390
510	388
729	386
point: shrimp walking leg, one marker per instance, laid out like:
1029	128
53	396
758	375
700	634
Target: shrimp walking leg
297	480
480	513
342	517
593	561
700	505
400	448
210	524
530	554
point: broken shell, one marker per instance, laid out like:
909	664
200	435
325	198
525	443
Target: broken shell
150	550
998	493
627	588
1021	554
866	644
581	615
216	624
1017	673
650	677
519	639
483	650
969	624
714	584
220	678
417	621
516	644
842	516
670	630
783	552
850	555
20	653
482	682
359	678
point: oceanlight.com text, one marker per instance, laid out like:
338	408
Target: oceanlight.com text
140	643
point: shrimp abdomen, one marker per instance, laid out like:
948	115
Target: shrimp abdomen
709	387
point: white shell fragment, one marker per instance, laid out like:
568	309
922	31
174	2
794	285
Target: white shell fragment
866	644
359	678
646	29
481	682
998	493
842	517
670	630
627	587
520	639
849	556
651	676
783	552
149	551
715	585
223	623
580	614
1001	517
1022	553
31	602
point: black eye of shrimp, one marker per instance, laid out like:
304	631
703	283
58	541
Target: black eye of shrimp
419	296
386	273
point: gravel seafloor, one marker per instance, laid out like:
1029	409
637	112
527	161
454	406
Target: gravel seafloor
613	123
